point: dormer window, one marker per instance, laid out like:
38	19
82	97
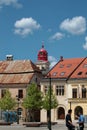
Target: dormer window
80	73
69	65
85	66
62	73
61	66
54	74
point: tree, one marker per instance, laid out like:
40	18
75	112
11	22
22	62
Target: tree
33	100
46	99
49	102
7	102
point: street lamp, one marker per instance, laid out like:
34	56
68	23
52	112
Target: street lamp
49	120
50	105
18	99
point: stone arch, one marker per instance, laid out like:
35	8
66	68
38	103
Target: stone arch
77	110
61	113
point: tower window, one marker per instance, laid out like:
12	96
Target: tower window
41	53
43	68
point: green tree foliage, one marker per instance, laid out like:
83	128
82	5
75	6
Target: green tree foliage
46	100
7	102
33	98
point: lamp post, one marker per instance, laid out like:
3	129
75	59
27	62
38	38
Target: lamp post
50	105
49	120
18	99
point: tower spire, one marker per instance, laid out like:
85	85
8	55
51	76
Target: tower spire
42	44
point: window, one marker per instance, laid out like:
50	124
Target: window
3	91
45	89
74	93
43	68
69	65
20	93
62	73
41	53
83	92
60	90
79	73
54	73
85	66
61	66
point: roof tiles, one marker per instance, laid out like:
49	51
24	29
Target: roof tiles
69	68
17	71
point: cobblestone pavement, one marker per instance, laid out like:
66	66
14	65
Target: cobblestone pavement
21	127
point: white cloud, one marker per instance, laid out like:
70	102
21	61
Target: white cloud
76	25
10	2
85	44
26	26
57	36
52	61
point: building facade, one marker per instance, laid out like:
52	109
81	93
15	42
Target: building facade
69	84
68	81
16	75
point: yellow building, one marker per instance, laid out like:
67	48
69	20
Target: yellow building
69	83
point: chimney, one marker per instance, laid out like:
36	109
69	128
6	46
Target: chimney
61	58
9	57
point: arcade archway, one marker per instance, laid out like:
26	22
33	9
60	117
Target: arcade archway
61	113
77	110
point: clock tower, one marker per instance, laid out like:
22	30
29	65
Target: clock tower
42	60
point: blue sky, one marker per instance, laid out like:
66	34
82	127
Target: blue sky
61	25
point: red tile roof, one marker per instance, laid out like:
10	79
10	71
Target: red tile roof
69	68
81	71
17	71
